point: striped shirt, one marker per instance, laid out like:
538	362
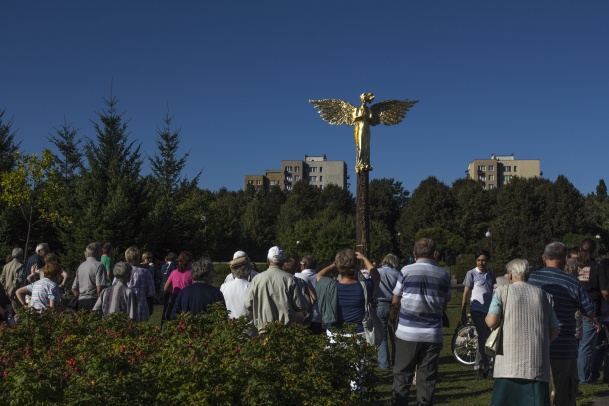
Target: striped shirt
42	292
569	295
424	288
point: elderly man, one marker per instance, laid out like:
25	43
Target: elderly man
569	295
196	298
384	295
10	277
420	297
308	273
118	297
37	259
273	294
90	278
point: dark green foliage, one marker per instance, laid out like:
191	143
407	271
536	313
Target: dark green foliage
431	205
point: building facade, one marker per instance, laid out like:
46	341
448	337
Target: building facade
500	169
316	169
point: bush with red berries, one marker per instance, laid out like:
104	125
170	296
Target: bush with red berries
82	358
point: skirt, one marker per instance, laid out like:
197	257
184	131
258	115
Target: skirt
520	392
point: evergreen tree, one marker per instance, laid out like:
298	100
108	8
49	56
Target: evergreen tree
69	158
108	197
8	147
10	220
165	226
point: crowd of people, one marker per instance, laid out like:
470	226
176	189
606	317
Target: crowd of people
550	317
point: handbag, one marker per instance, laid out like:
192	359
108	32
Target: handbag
373	327
492	347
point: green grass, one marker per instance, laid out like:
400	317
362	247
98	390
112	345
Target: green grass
456	383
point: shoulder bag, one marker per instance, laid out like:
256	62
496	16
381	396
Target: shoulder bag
373	327
494	341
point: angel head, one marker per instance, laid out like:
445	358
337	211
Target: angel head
366	98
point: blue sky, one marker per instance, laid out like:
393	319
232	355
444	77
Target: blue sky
522	77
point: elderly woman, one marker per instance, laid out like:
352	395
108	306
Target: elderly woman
141	283
522	368
118	297
197	297
44	293
235	291
342	301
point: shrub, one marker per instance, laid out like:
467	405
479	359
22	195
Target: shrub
82	358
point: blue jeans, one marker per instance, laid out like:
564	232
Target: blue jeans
384	357
482	360
586	348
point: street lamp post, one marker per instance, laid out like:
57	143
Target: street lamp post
489	235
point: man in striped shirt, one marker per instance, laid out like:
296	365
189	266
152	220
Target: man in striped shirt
421	295
569	295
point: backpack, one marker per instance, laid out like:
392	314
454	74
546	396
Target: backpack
19	277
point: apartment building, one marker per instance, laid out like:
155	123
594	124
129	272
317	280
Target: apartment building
316	169
500	169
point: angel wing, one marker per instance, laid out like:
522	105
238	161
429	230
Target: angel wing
335	111
390	112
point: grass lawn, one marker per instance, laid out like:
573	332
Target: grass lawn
456	383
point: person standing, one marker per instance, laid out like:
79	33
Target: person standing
569	295
141	284
90	278
479	283
273	294
308	263
10	277
196	298
420	298
118	297
37	259
108	263
589	277
522	369
389	278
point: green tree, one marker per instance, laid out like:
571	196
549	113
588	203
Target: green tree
9	218
109	198
225	231
431	205
8	147
33	187
519	229
167	187
474	212
69	157
387	200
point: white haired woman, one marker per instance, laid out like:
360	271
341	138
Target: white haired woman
522	368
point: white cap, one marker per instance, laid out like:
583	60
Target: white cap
276	254
239	254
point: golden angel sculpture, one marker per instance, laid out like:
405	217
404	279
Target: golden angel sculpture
388	112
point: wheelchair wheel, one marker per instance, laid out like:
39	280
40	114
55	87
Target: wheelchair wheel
465	344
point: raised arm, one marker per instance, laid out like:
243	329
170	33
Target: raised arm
327	271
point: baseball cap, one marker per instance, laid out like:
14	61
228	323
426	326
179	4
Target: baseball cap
276	254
